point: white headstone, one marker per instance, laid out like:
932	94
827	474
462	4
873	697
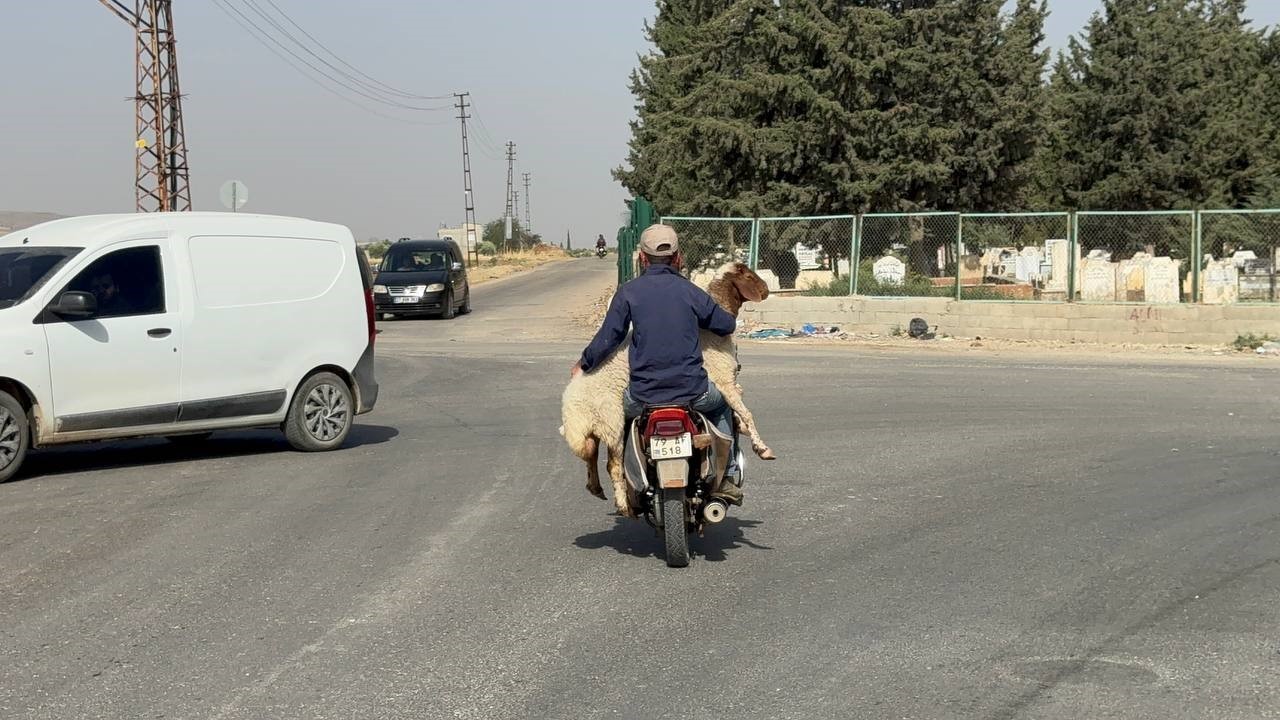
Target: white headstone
1160	283
1059	264
1242	255
1097	280
769	279
1027	266
889	270
842	266
1131	278
1221	280
806	257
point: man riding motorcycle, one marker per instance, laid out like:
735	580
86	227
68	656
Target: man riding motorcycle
600	244
665	311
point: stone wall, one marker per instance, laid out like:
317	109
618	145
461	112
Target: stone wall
1080	322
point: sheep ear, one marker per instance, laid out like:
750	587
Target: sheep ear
749	285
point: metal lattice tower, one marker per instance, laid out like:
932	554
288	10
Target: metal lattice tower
469	218
161	166
511	162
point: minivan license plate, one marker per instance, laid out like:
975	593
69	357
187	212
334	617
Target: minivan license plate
669	448
405	300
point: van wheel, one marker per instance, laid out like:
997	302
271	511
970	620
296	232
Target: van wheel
448	312
466	303
321	414
15	436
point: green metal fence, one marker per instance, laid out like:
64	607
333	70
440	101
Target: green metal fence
1135	256
707	244
1015	256
1151	257
805	253
907	254
1238	256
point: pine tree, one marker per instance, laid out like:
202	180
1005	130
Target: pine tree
1161	104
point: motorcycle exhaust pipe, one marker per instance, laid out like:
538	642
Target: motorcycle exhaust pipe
714	511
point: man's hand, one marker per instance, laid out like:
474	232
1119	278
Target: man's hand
575	371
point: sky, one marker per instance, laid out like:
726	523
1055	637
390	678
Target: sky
550	76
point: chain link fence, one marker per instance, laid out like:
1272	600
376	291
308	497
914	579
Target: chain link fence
808	254
1209	256
707	244
1239	255
907	254
1135	256
1015	256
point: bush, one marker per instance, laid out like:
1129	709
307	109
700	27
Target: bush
1249	341
487	248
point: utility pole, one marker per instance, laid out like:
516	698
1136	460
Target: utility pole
469	217
515	204
511	163
528	223
161	165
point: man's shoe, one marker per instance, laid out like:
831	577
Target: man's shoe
729	492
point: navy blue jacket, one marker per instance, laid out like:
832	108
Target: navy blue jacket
665	312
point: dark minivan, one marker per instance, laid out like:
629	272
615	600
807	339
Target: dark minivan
420	277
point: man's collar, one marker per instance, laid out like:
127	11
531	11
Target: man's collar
655	269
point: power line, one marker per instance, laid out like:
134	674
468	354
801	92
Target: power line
256	8
271	45
388	88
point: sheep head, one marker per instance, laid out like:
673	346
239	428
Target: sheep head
736	285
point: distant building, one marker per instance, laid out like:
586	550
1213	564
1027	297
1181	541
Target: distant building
460	235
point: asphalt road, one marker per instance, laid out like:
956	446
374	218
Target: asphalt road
944	537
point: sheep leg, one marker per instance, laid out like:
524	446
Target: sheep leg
591	455
621	492
748	424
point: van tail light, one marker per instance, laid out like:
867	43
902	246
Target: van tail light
372	316
366	282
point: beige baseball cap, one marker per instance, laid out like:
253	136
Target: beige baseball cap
659	241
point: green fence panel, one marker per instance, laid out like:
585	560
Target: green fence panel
708	244
1237	257
1144	257
1014	256
907	254
809	254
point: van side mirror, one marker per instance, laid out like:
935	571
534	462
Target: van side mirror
457	267
76	304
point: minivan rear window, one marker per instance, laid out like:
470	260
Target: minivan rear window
23	271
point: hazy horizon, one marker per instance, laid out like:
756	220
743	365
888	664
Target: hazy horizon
536	77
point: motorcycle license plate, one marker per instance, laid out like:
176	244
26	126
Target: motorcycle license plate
669	448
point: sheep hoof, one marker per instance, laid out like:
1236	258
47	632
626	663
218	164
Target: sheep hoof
765	453
625	510
597	491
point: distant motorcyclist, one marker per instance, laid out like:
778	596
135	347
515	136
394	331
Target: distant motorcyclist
600	243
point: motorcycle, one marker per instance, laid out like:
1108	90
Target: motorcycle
601	252
675	460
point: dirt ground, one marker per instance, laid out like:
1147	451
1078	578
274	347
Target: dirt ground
500	266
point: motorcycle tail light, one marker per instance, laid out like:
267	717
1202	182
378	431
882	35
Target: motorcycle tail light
668	428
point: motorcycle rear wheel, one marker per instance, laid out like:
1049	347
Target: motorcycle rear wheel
674	531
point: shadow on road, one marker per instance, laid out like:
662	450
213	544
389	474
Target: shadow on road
157	451
636	538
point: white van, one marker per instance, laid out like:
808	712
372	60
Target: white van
179	324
